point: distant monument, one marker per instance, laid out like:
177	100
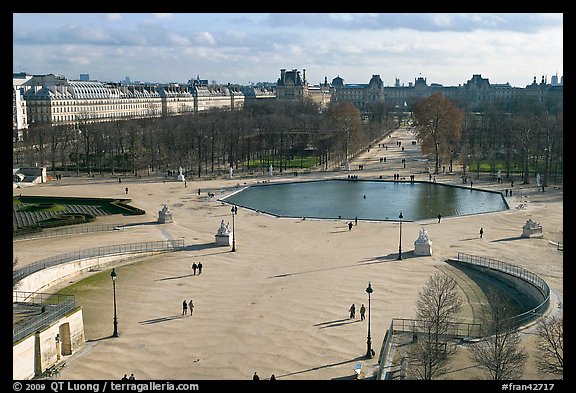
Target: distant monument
231	172
180	175
423	245
224	235
164	215
532	229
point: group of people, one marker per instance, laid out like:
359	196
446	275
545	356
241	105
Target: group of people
128	378
197	267
186	306
353	311
255	377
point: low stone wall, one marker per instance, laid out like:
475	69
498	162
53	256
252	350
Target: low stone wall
36	353
43	280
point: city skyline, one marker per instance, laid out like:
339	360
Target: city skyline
244	48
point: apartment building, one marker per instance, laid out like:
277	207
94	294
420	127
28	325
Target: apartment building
54	99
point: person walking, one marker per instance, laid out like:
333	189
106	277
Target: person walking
352	311
362	312
439	218
350	226
255	377
194	267
199	267
191	307
126	190
184	307
481	232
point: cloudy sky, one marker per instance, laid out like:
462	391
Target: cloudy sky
445	48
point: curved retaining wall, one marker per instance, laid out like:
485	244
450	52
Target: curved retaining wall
43	280
525	282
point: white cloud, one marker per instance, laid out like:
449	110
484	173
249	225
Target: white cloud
113	17
205	38
162	15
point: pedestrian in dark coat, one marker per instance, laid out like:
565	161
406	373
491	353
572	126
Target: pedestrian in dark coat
194	267
199	267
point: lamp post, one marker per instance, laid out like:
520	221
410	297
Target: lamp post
400	244
113	275
234	210
369	341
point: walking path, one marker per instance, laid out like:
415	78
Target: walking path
279	304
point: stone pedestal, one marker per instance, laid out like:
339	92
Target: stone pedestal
223	240
224	236
164	215
532	229
423	245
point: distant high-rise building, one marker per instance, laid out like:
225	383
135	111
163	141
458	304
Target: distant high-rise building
84	77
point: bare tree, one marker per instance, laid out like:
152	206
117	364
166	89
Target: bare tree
550	347
437	307
345	121
438	125
499	354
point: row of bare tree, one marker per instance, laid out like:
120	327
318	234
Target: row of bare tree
527	139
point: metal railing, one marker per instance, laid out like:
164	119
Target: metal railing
69	230
520	273
51	307
415	326
451	329
130	248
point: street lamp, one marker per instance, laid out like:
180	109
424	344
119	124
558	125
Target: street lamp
234	212
400	244
113	275
369	341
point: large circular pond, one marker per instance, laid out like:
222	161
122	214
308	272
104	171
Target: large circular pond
366	200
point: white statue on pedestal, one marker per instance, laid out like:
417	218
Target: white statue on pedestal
532	229
164	215
223	230
223	236
423	245
270	170
423	237
180	174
